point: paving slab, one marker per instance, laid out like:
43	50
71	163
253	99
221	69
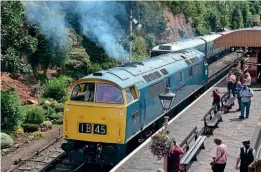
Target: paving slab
232	132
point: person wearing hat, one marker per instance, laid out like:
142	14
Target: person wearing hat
245	94
216	98
245	156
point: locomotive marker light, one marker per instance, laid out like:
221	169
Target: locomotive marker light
166	100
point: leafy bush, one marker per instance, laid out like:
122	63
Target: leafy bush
58	107
30	127
35	115
150	39
11	62
57	88
6	141
12	110
36	135
47	124
56	116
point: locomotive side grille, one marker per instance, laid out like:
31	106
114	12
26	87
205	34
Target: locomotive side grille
157	74
188	62
164	71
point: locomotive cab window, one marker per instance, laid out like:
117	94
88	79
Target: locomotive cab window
83	92
130	94
106	93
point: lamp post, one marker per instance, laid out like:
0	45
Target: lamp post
166	99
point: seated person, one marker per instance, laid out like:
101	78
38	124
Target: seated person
88	94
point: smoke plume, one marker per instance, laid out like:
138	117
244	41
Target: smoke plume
99	21
49	17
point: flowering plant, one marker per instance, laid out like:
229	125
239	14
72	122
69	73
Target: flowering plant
160	144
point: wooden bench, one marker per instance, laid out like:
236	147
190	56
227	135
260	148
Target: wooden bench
227	102
211	120
190	152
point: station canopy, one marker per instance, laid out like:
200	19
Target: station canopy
249	37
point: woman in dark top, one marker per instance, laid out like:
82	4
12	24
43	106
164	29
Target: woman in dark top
216	98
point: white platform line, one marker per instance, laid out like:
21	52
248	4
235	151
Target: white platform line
149	139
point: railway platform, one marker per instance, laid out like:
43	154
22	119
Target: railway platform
232	131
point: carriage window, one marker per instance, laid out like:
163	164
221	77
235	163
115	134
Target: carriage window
83	92
130	94
197	68
190	72
107	93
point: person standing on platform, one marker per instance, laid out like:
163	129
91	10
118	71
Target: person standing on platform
231	79
245	156
216	98
174	158
220	161
239	88
245	94
247	80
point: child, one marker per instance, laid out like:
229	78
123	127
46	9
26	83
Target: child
216	98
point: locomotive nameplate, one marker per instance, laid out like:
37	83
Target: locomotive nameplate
93	128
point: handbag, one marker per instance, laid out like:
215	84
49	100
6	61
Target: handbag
214	161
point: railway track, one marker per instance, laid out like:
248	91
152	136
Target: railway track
52	158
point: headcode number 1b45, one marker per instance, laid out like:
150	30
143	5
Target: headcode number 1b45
93	128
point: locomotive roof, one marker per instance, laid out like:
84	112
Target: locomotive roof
150	70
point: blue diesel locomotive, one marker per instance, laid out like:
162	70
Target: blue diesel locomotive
99	129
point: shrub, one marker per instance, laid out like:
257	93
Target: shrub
58	107
30	127
35	115
36	135
6	141
57	88
48	124
56	116
12	111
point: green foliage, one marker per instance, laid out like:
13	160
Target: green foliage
36	135
48	124
12	111
57	88
58	107
34	115
30	127
237	19
56	116
150	15
6	141
150	39
11	62
139	48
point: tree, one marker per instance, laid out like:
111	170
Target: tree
237	19
246	14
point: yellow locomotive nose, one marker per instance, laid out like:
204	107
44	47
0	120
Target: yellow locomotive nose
95	119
